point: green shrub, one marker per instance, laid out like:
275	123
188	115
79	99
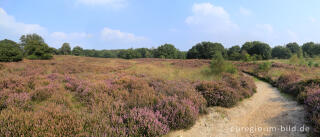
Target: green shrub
10	51
264	67
218	65
310	63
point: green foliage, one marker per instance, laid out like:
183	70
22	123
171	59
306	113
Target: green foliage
65	49
294	59
29	38
234	53
264	67
218	65
311	49
281	52
205	50
310	63
245	56
167	51
10	51
77	51
35	47
129	54
294	48
257	48
144	52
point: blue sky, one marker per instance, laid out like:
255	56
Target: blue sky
117	24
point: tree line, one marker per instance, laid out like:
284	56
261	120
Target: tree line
33	46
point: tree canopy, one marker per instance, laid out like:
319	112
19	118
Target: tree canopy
294	48
77	51
35	47
65	49
258	49
10	51
205	50
281	52
167	51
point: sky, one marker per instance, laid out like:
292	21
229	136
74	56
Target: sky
122	24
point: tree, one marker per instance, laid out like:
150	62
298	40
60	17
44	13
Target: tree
35	47
218	65
144	52
234	53
205	50
65	49
311	49
77	51
257	49
25	39
167	51
129	54
294	48
10	51
281	52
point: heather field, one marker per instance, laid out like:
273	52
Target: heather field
83	96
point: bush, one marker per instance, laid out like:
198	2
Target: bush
289	83
313	106
178	113
218	94
264	67
145	122
51	120
10	51
218	66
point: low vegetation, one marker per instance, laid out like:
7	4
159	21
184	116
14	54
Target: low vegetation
81	96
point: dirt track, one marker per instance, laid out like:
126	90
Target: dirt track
267	113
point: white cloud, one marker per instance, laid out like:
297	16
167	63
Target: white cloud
119	39
108	34
9	26
210	18
112	3
245	12
12	29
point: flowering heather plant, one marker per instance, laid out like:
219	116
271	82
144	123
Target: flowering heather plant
181	89
313	104
288	83
79	96
145	122
20	100
218	94
43	93
179	114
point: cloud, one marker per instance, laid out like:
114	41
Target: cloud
210	18
245	12
112	3
10	27
119	38
108	34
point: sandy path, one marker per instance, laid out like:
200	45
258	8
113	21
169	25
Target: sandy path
267	113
